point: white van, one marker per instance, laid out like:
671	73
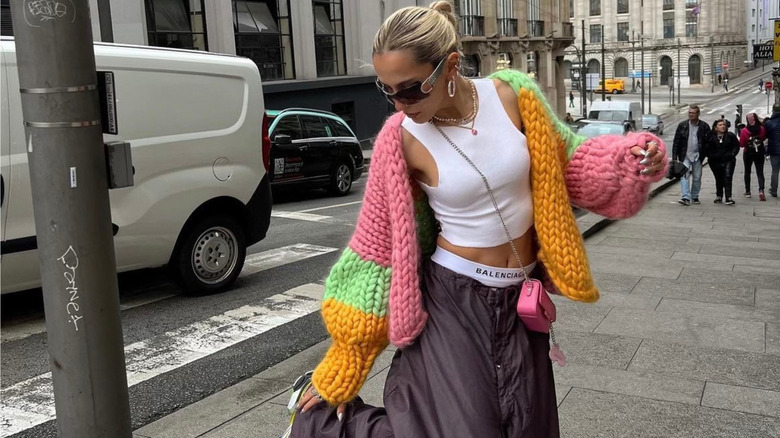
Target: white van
611	111
194	122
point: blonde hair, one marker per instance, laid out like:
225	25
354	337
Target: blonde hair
429	34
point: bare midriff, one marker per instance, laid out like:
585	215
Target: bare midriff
497	256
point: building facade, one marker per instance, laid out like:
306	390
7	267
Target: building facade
674	42
317	53
759	26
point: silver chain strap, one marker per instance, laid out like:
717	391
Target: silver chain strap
495	205
492	198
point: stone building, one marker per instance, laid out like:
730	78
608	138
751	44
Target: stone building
317	53
530	34
701	43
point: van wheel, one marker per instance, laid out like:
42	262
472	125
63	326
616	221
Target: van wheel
210	255
614	91
341	179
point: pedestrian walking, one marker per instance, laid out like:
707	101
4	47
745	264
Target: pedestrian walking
467	366
751	140
760	84
721	149
569	119
773	147
571	99
726	84
686	147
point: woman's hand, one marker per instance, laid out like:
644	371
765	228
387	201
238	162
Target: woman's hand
311	399
652	158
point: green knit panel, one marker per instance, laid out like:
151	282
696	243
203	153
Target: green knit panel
520	80
364	285
427	226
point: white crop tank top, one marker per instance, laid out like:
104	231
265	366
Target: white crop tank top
460	200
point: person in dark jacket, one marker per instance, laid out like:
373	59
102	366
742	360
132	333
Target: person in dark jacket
751	140
772	126
721	149
686	147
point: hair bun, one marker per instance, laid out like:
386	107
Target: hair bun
445	8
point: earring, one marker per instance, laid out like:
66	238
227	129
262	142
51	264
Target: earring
451	88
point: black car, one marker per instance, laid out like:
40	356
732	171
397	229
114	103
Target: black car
313	149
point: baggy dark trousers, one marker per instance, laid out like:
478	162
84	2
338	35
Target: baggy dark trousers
474	372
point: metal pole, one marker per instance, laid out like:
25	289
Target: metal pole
633	64
583	72
650	90
679	67
603	69
68	175
642	58
712	65
104	15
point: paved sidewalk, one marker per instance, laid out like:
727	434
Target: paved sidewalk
684	342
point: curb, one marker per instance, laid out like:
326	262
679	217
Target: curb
604	223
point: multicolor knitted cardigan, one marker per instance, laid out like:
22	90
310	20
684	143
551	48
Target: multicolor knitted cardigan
373	292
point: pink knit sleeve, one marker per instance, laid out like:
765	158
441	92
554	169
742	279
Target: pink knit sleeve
603	175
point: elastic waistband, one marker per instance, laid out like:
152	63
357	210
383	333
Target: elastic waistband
488	275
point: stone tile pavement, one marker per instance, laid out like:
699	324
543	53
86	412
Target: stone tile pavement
684	342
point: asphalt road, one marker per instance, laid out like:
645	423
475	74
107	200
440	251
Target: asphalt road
156	310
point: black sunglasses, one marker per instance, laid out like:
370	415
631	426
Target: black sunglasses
413	93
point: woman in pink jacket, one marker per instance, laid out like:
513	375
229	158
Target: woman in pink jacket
751	140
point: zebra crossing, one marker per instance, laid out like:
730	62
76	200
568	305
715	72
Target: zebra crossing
29	403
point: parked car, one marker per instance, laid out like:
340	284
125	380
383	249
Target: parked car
653	123
591	128
201	193
312	148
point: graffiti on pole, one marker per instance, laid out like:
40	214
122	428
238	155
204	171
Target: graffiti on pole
37	12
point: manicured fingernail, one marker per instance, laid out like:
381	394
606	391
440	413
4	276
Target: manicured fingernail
644	152
644	161
341	416
645	171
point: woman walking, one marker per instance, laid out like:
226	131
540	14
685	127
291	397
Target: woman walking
751	140
721	150
468	197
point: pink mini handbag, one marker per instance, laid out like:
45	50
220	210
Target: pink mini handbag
536	309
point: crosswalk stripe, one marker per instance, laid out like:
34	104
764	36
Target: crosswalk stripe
302	216
328	207
254	263
31	402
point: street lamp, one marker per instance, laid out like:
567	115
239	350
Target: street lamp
671	88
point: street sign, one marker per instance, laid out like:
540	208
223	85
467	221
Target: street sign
725	65
763	51
777	40
768	85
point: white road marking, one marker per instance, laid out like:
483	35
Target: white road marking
254	263
281	256
309	210
31	402
301	216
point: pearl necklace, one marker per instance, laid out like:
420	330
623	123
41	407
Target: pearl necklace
471	118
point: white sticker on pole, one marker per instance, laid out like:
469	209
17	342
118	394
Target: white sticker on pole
73	180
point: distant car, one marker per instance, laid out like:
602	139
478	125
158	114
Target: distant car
590	128
614	86
313	149
653	123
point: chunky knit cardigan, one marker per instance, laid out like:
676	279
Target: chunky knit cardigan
373	295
